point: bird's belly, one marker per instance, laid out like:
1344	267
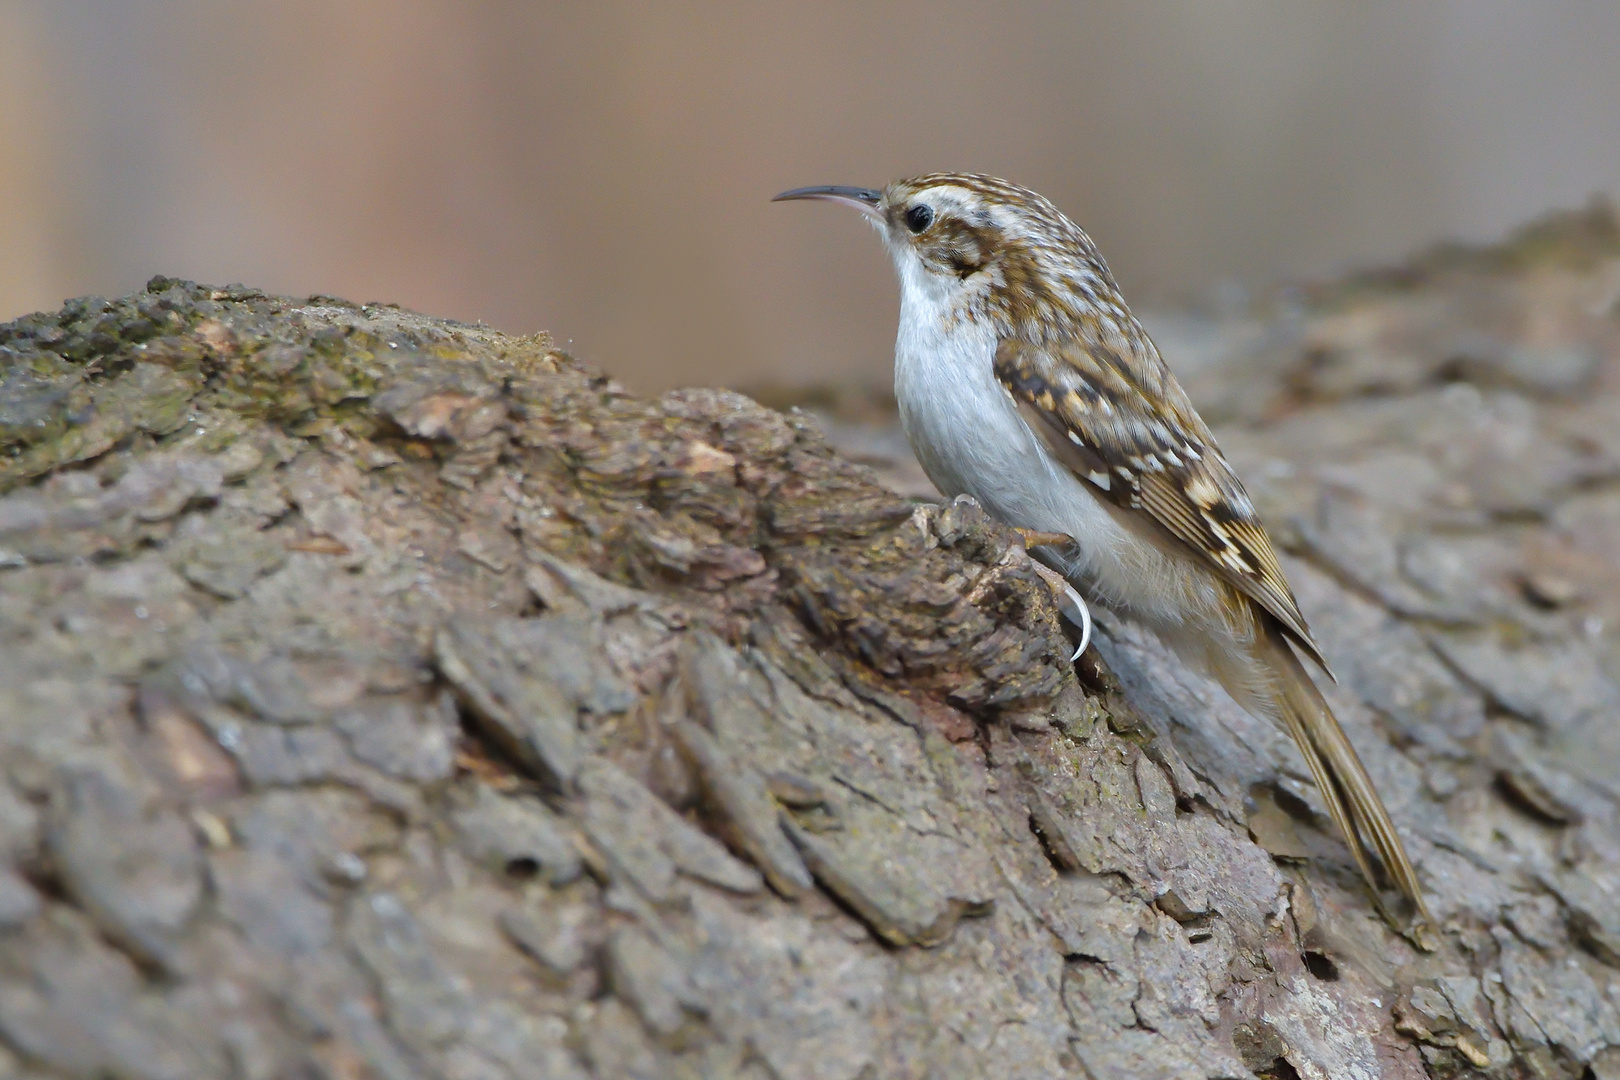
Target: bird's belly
970	440
979	446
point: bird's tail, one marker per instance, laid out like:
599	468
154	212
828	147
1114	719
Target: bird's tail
1342	779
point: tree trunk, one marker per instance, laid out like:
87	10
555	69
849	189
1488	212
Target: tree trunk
386	697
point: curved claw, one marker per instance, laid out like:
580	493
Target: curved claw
1081	615
1084	620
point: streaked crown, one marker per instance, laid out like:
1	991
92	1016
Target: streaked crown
1018	258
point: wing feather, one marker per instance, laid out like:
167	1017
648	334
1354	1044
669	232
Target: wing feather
1145	449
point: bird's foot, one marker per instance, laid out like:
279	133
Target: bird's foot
1070	603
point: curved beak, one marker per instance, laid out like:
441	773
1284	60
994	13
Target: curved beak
863	199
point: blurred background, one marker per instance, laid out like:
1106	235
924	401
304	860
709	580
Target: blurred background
602	170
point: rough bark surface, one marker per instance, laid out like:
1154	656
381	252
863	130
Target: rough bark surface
385	697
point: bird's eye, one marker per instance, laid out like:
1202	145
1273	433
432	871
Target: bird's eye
919	217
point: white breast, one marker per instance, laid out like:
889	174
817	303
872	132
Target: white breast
970	440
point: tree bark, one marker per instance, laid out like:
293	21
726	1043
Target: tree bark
387	697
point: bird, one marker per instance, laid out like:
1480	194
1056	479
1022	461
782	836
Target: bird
1024	381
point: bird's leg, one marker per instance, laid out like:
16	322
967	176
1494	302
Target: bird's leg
1036	538
1075	609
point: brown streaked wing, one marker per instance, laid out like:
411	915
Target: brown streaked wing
1158	458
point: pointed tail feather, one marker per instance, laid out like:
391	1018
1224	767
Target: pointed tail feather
1348	791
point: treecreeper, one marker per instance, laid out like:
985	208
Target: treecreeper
1025	382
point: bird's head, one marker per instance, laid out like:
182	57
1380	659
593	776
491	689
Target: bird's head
975	242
